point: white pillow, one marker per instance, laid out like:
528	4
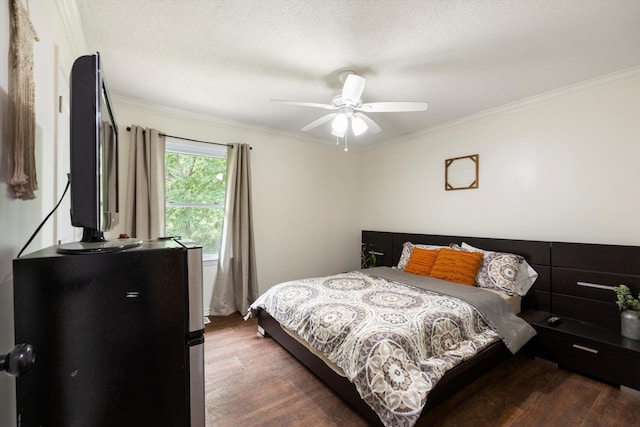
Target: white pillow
504	272
407	248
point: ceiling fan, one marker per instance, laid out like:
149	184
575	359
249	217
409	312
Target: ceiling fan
349	108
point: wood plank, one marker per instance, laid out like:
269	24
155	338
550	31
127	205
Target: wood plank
584	256
252	381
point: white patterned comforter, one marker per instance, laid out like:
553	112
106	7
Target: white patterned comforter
392	340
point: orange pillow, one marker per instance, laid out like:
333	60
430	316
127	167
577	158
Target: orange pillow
457	266
421	261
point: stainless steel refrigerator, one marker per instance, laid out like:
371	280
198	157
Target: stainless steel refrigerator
118	337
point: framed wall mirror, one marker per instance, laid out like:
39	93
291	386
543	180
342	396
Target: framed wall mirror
461	173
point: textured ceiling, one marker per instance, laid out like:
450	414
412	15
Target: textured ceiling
229	58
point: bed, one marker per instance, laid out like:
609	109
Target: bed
449	365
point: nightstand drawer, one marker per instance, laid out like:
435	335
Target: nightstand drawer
590	357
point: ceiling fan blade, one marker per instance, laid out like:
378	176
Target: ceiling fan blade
393	107
305	104
373	126
319	121
352	89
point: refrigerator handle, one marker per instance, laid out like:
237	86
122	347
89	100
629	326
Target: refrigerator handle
19	360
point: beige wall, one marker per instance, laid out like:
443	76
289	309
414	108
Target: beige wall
564	167
19	219
306	196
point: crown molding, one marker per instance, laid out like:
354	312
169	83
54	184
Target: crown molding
70	16
525	103
208	120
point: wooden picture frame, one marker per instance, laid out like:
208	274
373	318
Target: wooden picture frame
461	173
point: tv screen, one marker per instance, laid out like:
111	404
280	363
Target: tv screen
93	158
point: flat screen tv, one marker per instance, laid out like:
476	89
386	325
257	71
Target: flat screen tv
93	160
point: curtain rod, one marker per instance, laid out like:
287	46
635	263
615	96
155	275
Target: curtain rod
189	139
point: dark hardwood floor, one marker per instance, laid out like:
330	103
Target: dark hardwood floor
252	381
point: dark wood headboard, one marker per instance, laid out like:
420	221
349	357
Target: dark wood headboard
574	279
583	276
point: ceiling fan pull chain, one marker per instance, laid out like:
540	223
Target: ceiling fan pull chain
346	141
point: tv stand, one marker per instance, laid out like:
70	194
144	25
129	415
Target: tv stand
105	246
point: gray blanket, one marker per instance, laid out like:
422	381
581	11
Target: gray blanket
514	331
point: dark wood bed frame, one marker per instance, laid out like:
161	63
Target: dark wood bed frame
569	260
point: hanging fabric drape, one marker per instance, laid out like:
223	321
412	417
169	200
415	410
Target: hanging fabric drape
109	170
24	181
236	285
146	181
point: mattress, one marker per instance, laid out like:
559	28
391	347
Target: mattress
362	325
513	301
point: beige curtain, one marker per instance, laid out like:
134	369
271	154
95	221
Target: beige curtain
109	172
144	217
236	285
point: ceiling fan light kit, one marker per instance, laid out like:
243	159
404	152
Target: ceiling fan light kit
351	109
340	123
358	126
339	134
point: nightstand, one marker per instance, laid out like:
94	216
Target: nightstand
590	349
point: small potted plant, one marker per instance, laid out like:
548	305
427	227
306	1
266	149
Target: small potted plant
630	308
367	257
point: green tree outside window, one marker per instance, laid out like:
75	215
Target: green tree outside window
195	192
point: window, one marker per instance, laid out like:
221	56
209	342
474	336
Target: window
195	189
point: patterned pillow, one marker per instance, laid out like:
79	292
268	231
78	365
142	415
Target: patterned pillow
457	266
505	272
407	248
421	261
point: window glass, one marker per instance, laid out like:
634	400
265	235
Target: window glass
195	192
